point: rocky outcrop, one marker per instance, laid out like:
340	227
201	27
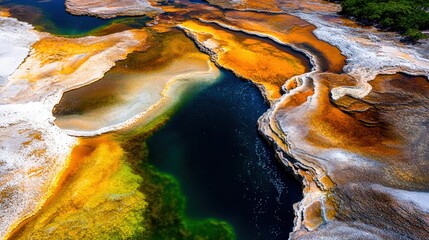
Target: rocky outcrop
111	8
368	52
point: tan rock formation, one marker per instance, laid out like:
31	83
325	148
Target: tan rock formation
111	8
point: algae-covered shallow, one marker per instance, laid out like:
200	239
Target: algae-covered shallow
226	170
165	216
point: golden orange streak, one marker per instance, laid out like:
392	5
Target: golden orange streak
89	193
343	130
268	5
69	54
275	6
250	58
286	29
42	202
4	12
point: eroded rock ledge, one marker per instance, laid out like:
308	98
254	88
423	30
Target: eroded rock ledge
111	8
363	161
358	140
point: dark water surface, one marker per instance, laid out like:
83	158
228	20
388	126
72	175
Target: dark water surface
225	168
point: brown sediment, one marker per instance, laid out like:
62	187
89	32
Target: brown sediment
79	103
285	29
262	62
96	181
363	125
330	126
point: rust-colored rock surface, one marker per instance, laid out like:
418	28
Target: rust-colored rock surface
261	61
276	6
374	150
284	29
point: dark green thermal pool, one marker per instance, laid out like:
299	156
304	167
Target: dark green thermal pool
224	167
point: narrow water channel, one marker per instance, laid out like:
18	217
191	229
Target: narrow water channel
224	167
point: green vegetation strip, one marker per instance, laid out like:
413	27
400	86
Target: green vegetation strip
408	17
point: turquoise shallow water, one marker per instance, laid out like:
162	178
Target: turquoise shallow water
225	168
